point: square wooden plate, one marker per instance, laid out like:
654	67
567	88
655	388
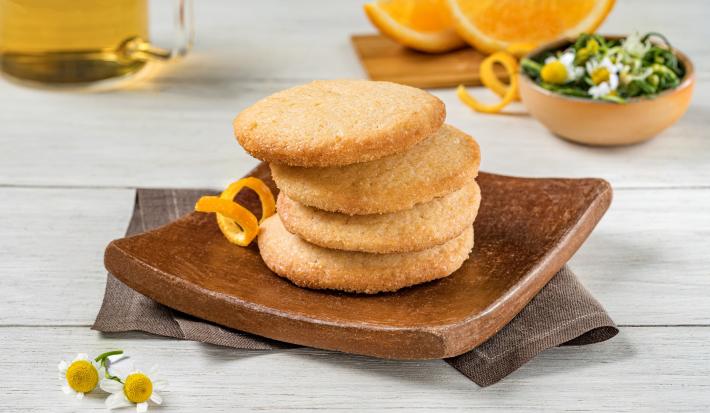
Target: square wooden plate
525	231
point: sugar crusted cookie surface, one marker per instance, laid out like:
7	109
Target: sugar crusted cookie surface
439	165
338	122
310	266
426	225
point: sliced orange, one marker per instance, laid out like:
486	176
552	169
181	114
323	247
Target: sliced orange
521	25
423	25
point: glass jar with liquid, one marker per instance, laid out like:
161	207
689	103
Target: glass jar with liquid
82	42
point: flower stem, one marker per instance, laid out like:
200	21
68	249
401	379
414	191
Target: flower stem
103	359
107	354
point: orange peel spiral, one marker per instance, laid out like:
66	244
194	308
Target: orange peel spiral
507	92
237	223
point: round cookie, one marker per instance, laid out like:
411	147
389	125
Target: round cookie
338	122
311	266
437	166
426	225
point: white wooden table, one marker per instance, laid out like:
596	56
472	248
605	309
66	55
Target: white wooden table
69	164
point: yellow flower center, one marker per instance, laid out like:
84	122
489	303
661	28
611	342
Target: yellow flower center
82	376
592	46
587	51
600	74
137	387
554	72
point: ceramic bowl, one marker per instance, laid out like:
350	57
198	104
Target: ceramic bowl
595	122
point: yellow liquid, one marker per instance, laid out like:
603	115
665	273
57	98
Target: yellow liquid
69	42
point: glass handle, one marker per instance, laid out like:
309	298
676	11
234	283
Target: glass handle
137	48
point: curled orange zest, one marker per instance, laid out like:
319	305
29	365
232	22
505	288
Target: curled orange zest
237	223
507	92
268	204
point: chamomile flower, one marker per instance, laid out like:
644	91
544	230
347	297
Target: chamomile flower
604	75
136	388
560	70
80	376
634	46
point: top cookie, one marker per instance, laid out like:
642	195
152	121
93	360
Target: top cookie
338	122
437	166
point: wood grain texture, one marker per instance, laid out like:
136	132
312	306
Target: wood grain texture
51	251
642	369
384	59
647	261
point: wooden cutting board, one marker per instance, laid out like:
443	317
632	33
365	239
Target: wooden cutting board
525	231
383	59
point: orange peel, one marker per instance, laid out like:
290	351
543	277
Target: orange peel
268	204
507	92
237	223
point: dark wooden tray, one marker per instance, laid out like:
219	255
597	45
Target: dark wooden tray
525	231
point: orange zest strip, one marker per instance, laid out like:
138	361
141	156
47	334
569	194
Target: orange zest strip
268	204
237	223
489	79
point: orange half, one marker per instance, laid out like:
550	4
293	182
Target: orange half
423	25
521	25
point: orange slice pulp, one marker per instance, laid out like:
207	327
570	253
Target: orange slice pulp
495	25
423	25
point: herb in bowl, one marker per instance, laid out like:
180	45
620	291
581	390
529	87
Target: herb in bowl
607	69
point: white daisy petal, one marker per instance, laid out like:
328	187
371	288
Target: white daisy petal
613	81
67	390
567	58
79	395
116	401
81	356
156	398
160	384
63	366
111	386
153	370
142	407
116	357
120	366
550	59
599	90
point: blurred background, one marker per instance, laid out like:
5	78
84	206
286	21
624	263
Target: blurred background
174	129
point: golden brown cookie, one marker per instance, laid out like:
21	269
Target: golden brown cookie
338	122
311	266
437	166
426	225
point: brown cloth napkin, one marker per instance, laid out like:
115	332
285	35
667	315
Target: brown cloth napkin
563	313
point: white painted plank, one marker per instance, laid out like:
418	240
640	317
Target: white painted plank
642	369
647	262
51	251
177	132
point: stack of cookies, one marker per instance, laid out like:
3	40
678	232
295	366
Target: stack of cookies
376	192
